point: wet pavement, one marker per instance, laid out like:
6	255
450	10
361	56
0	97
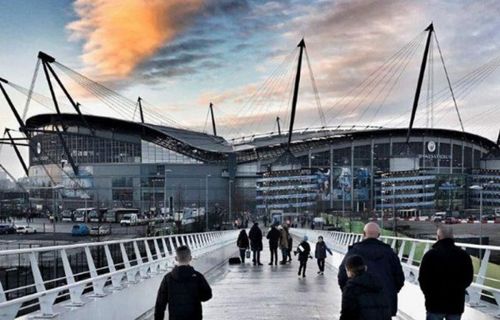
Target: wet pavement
264	292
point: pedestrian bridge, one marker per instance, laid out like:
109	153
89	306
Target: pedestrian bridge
119	280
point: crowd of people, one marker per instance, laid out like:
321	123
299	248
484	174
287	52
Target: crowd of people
370	275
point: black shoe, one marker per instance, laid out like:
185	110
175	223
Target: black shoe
270	263
303	276
260	264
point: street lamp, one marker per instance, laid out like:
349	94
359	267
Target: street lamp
206	201
165	190
394	207
382	204
480	188
230	202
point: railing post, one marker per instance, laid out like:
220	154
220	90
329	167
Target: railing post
131	274
9	312
143	270
75	293
401	250
46	301
153	266
412	253
475	294
97	284
116	279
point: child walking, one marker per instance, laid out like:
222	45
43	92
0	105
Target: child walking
304	252
363	296
320	254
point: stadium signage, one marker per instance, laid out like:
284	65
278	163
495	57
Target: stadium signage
435	156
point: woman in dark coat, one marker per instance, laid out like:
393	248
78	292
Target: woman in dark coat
243	244
255	236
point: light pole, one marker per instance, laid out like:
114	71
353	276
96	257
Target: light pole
165	197
382	205
480	188
206	201
394	207
165	190
230	204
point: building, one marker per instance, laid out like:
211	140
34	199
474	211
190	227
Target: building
124	163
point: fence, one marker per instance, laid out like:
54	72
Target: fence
59	273
486	284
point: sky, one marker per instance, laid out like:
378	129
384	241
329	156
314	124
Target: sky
180	55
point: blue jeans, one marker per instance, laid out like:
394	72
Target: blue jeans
442	316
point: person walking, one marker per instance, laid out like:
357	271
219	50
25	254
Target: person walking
320	254
304	252
363	296
445	272
243	244
183	289
255	236
284	243
273	236
380	260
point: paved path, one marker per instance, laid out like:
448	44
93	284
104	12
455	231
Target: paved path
264	292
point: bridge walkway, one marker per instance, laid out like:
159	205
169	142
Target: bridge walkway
273	292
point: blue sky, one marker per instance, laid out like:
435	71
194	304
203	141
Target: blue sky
181	55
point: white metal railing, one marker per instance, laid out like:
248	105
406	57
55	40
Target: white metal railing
157	256
410	252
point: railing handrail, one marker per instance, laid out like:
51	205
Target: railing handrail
458	244
93	244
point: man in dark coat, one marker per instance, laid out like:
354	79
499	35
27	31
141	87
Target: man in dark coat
255	236
363	297
380	260
273	236
183	289
446	271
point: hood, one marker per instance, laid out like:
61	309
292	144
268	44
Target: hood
367	281
182	273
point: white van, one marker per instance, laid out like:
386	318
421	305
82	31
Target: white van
129	219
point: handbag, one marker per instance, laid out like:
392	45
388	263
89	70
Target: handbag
247	254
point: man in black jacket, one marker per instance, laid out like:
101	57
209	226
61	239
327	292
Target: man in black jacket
381	261
445	272
273	236
255	236
183	289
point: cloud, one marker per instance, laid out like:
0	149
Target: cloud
118	35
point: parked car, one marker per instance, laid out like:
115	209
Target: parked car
100	230
451	220
7	229
25	229
129	219
80	230
67	216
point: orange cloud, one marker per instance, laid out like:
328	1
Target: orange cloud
118	35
